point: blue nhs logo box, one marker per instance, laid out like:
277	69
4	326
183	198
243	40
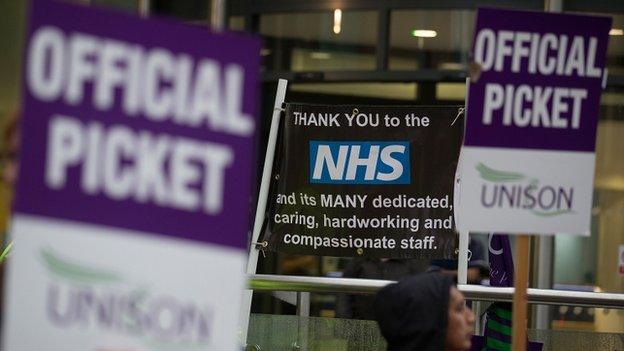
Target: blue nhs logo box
359	162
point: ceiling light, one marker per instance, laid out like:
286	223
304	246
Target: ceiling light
265	52
424	33
320	55
616	31
337	21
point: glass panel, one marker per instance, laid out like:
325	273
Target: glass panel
12	30
451	91
609	321
318	41
272	332
398	91
126	5
575	261
555	340
281	333
615	52
602	320
591	263
437	39
195	10
236	23
286	333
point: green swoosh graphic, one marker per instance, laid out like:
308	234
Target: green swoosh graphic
551	214
63	268
6	251
494	175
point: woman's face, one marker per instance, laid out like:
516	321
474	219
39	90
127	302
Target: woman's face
460	322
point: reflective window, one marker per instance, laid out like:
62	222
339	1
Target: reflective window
195	11
615	50
395	91
593	261
236	23
12	33
608	212
436	39
130	6
320	41
451	91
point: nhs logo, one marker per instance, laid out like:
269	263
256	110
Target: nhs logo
359	162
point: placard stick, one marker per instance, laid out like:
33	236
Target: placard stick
252	262
519	321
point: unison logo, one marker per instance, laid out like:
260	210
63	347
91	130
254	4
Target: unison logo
504	189
99	299
359	162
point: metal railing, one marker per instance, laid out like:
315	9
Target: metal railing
264	282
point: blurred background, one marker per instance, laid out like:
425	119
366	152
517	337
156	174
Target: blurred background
392	52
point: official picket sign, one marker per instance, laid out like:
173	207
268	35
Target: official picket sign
136	169
365	181
528	156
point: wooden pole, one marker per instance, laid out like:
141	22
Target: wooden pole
521	277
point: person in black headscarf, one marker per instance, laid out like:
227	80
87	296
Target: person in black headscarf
424	313
361	306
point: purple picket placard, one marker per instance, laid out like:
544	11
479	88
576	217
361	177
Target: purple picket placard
142	124
536	81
